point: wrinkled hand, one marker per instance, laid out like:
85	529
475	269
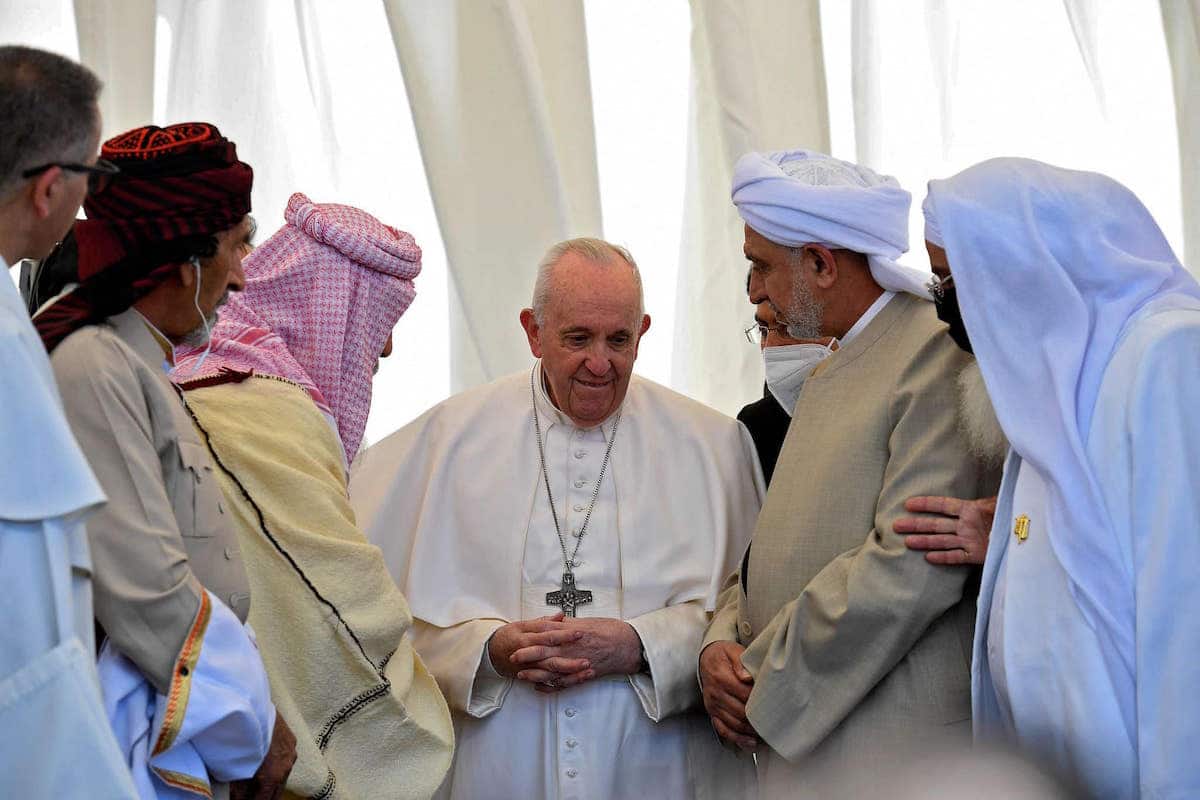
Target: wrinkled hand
959	535
607	646
548	633
268	783
725	687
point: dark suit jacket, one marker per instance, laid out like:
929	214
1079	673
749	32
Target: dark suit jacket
768	425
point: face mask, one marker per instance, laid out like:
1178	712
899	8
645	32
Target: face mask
948	312
787	368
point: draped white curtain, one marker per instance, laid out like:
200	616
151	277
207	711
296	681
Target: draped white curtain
503	110
758	83
937	85
527	118
1181	23
117	41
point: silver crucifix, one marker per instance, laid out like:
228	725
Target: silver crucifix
568	597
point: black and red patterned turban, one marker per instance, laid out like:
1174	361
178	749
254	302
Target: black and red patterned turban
177	186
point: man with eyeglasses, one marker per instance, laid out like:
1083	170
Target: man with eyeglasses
788	362
58	740
837	650
1087	328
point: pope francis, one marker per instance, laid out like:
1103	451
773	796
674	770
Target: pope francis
561	535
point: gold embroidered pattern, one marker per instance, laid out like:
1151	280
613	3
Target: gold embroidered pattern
181	683
185	782
1021	528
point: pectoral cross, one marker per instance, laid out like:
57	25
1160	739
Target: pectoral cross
568	597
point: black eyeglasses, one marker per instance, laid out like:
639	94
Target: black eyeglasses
99	174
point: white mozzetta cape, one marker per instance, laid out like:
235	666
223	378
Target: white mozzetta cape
449	497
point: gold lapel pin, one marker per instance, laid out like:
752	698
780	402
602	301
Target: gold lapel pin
1021	528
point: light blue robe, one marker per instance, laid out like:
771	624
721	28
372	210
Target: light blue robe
1041	677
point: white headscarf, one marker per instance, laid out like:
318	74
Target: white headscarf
799	197
1052	266
933	233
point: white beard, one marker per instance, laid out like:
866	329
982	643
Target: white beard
977	418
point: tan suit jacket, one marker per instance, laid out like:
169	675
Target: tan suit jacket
164	532
855	642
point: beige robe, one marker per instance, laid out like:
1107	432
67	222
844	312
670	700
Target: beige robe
331	624
860	649
164	532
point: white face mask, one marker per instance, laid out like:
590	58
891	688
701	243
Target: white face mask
789	365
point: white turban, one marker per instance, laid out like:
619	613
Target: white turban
799	197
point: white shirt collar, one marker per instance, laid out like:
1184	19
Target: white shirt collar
551	415
871	313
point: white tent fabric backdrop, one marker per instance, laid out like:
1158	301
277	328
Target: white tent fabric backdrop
1181	22
519	120
758	83
503	110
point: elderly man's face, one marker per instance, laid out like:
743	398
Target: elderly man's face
776	279
222	273
588	338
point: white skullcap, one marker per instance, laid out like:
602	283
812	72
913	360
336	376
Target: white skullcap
800	197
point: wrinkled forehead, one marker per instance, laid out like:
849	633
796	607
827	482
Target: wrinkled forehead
583	289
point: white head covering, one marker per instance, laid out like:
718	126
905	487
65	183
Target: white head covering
1052	267
933	233
43	474
799	197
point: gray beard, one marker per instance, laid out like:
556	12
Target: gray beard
977	418
804	313
199	336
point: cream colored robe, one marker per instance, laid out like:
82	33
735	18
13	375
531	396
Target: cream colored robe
859	647
369	719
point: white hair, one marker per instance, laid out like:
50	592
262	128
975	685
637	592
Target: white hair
977	418
594	250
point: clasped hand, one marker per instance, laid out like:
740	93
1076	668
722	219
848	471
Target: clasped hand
554	653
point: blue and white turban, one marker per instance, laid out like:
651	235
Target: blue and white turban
799	197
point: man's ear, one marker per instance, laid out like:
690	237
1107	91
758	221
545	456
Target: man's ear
43	191
532	331
187	274
824	265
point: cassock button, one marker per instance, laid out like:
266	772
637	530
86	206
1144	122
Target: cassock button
744	629
575	532
579	483
580	453
578	508
570	712
572	743
572	772
229	554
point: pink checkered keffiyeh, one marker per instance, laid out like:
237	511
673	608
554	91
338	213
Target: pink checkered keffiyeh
322	295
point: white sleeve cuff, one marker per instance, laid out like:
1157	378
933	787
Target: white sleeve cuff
670	638
489	688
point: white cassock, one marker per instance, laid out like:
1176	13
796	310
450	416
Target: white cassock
49	690
457	503
1042	677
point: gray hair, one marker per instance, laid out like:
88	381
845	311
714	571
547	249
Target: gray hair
595	250
48	109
